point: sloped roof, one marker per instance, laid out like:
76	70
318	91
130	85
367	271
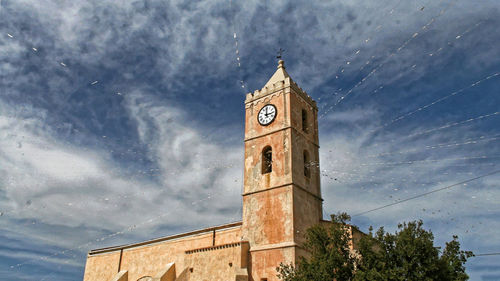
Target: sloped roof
279	75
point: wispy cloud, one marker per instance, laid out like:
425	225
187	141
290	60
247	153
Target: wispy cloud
58	185
158	137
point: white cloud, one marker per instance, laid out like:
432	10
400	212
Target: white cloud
67	189
57	184
358	175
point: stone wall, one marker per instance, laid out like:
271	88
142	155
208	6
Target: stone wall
265	261
102	267
221	262
151	258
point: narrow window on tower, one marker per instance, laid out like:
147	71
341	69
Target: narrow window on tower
305	126
307	164
267	160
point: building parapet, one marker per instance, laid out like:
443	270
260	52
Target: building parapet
218	247
278	86
166	238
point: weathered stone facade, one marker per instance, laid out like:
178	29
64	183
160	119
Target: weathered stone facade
278	206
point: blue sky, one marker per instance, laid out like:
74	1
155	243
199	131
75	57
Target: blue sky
122	121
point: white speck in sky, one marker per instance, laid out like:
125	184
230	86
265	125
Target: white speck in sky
119	94
348	62
35	49
62	63
10	35
95	82
458	37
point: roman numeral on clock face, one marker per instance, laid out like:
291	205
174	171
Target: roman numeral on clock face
267	114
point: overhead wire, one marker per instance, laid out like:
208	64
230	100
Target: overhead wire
439	100
436	146
237	52
401	117
127	229
375	69
436	52
433	160
92	83
107	199
348	59
447	126
426	193
453	124
237	49
448	96
486	254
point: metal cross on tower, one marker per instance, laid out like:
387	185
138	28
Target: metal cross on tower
280	53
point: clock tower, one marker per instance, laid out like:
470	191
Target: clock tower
282	195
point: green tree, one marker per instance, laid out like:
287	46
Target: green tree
330	254
454	259
409	254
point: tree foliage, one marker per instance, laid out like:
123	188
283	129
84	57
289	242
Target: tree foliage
408	254
331	257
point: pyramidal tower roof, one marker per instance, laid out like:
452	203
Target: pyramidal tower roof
279	75
279	82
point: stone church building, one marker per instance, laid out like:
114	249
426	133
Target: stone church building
281	199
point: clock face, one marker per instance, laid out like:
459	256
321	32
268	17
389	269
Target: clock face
267	114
